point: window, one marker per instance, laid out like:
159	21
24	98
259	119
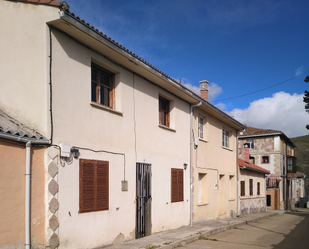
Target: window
232	187
250	143
225	138
251	186
177	185
164	112
102	86
202	188
242	188
258	188
201	127
265	159
93	185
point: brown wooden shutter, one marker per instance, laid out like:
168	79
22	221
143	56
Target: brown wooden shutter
242	188
258	188
251	186
102	197
177	185
87	185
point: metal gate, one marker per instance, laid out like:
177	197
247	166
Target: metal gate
143	200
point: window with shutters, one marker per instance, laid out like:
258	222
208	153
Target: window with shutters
242	188
251	186
102	86
93	185
258	188
177	185
164	112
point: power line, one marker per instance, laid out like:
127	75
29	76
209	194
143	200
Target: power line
246	94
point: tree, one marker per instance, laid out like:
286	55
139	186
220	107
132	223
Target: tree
306	99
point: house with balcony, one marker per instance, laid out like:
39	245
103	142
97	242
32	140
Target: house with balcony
117	133
273	151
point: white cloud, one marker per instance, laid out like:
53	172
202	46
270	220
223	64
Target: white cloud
214	91
282	112
194	89
299	71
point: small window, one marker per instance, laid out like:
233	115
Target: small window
251	186
102	86
225	138
265	159
202	188
258	188
93	185
232	187
177	185
164	112
242	188
201	127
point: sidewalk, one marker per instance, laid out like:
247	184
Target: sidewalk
184	235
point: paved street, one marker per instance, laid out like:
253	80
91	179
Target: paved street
286	230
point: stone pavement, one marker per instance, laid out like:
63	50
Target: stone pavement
181	236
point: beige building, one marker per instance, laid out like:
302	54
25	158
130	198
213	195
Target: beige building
252	186
273	151
119	162
214	161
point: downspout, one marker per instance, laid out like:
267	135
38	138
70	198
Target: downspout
28	193
191	161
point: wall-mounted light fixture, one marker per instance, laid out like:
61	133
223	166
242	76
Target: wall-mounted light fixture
185	166
75	152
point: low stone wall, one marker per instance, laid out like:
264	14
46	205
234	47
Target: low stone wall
252	205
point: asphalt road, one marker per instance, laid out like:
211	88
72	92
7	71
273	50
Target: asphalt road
287	230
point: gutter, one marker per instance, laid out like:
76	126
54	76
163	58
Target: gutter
191	161
28	142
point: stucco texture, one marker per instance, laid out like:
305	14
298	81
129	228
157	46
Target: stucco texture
12	195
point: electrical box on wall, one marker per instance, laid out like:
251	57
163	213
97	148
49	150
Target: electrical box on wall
124	185
197	140
216	186
65	149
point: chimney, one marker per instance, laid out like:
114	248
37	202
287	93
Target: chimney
204	89
246	153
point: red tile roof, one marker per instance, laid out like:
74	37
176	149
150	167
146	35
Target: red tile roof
251	131
61	4
250	166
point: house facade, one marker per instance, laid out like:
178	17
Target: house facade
273	151
252	186
214	156
117	161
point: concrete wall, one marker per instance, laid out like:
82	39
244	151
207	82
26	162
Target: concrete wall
12	196
255	203
214	196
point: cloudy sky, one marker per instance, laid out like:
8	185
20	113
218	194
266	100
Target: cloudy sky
257	49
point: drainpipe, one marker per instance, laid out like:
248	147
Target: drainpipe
237	175
28	193
191	161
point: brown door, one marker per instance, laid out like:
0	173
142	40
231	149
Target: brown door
143	200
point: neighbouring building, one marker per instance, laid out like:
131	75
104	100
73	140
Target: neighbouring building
298	189
273	151
117	133
252	186
214	161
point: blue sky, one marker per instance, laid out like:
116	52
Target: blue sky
238	46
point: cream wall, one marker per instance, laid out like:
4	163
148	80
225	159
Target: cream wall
218	166
255	203
12	195
24	62
132	130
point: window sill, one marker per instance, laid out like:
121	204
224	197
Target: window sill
203	140
232	199
226	148
105	108
167	128
202	204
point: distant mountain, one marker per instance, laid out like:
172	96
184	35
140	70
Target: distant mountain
302	152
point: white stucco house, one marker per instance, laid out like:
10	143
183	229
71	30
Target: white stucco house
118	165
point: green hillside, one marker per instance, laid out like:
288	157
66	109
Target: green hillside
302	152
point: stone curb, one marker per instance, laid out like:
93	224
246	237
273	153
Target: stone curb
195	237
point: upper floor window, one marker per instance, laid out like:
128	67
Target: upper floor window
164	112
225	138
102	86
201	127
265	159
